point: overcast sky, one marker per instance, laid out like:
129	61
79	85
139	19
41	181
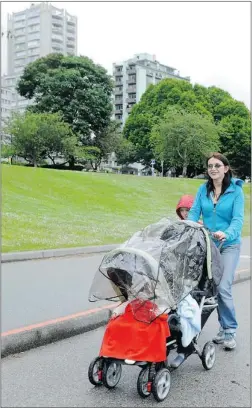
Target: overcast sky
210	42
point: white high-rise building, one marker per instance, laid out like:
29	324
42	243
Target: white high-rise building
132	77
37	31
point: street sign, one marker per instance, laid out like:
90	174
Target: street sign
153	162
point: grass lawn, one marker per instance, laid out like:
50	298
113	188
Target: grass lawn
43	209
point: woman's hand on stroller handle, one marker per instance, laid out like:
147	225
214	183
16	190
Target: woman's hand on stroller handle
219	235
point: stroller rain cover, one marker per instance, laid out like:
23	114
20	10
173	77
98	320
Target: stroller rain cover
151	273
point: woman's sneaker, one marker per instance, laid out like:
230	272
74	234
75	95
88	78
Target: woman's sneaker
220	338
229	342
178	360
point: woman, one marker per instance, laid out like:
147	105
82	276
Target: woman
221	202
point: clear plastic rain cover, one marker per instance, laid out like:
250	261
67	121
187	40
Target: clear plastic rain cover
157	266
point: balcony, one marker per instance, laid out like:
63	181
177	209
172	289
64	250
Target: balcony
57	17
131	89
119	101
131	81
70	45
71	23
117	92
131	100
71	38
57	30
57	24
118	111
118	73
131	71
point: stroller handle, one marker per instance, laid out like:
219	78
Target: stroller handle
211	233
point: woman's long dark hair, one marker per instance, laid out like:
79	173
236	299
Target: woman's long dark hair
227	178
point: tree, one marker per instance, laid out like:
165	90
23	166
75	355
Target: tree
37	136
73	86
184	138
212	102
7	150
125	152
235	136
137	131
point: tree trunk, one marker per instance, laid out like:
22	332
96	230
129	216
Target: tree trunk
71	162
184	170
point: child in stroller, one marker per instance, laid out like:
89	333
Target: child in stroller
147	326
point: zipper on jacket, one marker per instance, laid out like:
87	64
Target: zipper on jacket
214	211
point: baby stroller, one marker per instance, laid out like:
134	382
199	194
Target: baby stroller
152	274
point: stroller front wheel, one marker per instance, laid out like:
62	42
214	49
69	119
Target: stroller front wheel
142	383
161	384
111	373
94	371
208	355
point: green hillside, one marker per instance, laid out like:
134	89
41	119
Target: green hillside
43	209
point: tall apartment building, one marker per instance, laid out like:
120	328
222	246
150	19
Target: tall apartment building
132	77
37	31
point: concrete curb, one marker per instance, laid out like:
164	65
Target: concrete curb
55	253
28	339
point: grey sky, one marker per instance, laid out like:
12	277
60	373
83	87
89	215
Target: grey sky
210	42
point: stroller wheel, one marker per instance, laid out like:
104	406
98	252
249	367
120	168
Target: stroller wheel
111	373
142	383
208	355
94	372
161	384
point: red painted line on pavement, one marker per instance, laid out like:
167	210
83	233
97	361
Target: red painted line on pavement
69	317
57	320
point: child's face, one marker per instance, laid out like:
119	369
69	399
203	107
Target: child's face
184	212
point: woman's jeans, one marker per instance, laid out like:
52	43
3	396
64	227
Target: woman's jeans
226	311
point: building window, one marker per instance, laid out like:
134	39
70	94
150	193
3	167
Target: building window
33	21
19	62
33	13
19	31
33	36
20	39
31	59
33	43
33	51
19	24
20	54
20	47
34	28
19	17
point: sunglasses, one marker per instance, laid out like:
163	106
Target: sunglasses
217	166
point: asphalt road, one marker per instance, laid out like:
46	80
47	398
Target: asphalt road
56	375
37	291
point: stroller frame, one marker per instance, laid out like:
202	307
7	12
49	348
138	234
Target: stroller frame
155	377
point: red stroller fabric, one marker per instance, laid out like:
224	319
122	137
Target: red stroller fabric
128	338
